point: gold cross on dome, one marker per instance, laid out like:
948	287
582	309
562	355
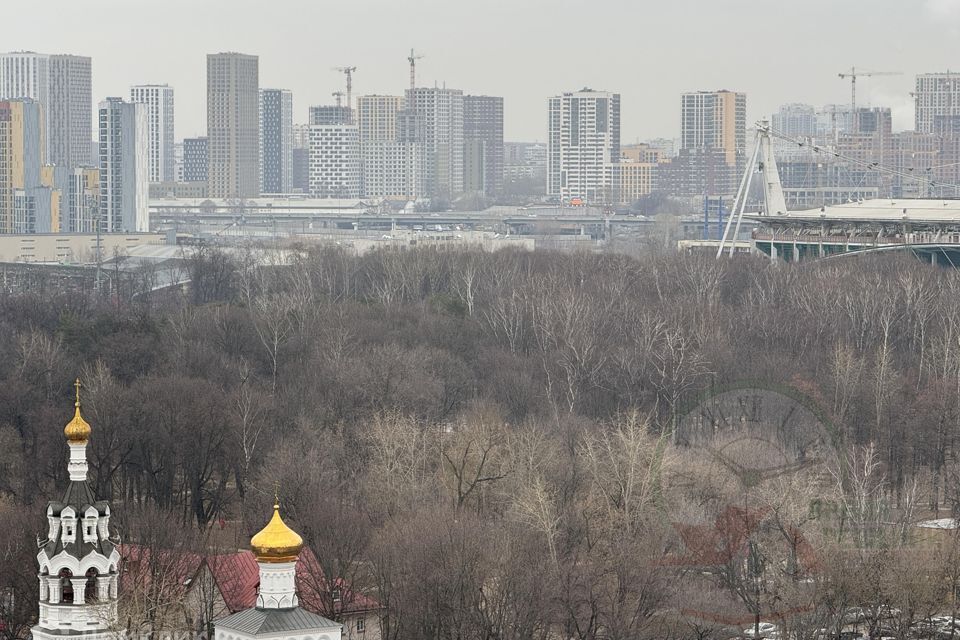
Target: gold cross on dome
76	384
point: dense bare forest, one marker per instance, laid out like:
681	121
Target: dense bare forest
486	443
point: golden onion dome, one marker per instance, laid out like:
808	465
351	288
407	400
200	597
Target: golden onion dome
276	542
78	429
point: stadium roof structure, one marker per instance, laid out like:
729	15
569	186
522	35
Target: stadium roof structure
916	213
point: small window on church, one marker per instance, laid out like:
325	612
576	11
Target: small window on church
361	625
336	595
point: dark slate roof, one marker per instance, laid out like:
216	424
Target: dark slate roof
80	496
78	549
267	621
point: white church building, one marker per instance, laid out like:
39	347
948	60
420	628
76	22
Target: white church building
277	613
80	565
78	560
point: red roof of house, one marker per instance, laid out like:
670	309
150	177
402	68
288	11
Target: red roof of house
142	565
238	577
715	544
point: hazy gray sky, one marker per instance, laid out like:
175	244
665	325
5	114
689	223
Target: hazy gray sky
525	50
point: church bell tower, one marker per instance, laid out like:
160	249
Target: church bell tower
79	562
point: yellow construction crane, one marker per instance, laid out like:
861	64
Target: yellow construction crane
853	74
412	59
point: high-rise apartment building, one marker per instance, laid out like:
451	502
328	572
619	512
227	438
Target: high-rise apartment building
159	102
936	94
300	159
483	144
195	160
276	141
833	120
77	196
61	86
391	167
301	136
713	127
28	203
81	206
25	74
392	170
377	117
525	161
334	161
435	122
715	120
696	173
178	161
233	125
123	166
583	146
70	114
795	121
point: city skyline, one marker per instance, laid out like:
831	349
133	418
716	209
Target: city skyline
532	66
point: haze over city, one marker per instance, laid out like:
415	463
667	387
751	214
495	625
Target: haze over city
527	50
490	320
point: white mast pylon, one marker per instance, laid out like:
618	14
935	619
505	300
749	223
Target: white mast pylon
776	204
740	198
774	200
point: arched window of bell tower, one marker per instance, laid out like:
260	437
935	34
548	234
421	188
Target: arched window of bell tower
90	590
66	586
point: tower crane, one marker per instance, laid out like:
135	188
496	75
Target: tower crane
853	74
412	59
347	71
338	96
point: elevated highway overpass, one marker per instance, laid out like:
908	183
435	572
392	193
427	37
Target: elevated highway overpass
317	215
